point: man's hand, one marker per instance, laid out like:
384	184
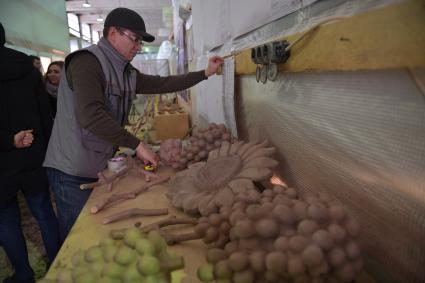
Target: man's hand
146	154
213	65
23	139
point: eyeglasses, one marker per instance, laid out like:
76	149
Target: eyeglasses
133	38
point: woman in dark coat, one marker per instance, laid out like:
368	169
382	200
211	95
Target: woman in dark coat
25	127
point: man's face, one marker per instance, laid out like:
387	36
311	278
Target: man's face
37	64
125	42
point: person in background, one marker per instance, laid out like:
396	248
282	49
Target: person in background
25	127
51	80
36	63
94	98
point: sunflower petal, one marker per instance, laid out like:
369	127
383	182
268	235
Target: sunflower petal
196	166
178	199
182	173
213	154
190	203
244	148
191	209
235	147
203	202
254	148
224	197
265	151
255	174
261	162
211	207
181	184
192	169
224	149
240	185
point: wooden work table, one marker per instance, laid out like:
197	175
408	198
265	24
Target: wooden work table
89	230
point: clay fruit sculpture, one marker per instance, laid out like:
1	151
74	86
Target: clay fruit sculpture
202	141
278	237
138	257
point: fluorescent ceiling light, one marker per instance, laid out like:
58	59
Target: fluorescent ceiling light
99	19
86	4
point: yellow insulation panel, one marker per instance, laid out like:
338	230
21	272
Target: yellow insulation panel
385	38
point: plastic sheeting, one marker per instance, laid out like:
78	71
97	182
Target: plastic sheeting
151	66
217	104
209	98
359	136
223	20
212	93
304	18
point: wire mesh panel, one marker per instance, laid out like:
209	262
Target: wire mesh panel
359	136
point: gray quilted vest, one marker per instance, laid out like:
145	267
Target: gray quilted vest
73	149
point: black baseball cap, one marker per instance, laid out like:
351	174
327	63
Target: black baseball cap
129	19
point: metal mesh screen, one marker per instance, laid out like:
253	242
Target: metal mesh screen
359	136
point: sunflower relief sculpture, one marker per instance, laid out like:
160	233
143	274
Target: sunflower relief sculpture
229	171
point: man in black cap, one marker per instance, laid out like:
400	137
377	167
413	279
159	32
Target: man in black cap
25	125
94	97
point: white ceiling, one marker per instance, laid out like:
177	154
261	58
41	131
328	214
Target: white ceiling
150	10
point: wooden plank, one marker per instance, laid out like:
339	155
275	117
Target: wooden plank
385	38
89	230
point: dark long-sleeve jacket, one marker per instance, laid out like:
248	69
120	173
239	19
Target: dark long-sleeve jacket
24	105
